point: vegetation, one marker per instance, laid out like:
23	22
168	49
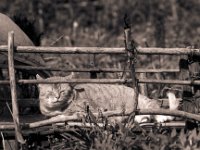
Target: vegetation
154	23
99	22
117	138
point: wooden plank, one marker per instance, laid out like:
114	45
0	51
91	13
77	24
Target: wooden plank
102	50
15	111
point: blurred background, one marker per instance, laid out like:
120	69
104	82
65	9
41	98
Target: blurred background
100	23
160	23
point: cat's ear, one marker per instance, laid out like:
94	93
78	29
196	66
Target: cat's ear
38	77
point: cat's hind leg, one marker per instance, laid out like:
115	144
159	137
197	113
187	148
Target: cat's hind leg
142	118
162	118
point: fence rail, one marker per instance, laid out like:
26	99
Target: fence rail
104	81
138	70
102	50
10	49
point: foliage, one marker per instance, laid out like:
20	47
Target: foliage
117	138
100	23
106	19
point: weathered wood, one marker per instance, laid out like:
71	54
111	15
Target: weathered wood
15	110
92	64
63	118
10	145
187	93
132	52
143	86
178	82
102	50
10	127
194	72
104	81
96	69
50	81
173	124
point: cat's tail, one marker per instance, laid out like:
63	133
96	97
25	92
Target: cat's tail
173	101
173	105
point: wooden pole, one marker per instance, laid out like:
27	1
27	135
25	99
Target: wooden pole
143	86
102	50
131	51
104	81
95	69
92	64
15	111
52	129
187	90
194	71
63	118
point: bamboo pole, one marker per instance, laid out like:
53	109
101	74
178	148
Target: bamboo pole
178	82
96	69
49	81
131	51
10	127
92	64
143	86
64	118
104	81
15	111
102	50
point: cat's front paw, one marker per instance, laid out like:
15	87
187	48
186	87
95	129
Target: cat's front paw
56	113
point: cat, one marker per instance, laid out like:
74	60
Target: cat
65	98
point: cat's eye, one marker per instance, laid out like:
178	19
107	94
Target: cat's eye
61	92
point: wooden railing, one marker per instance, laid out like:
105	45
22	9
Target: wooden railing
11	49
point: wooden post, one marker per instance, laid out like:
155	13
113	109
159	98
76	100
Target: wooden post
131	50
93	74
187	91
143	86
194	71
15	112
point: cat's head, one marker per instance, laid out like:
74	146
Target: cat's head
54	96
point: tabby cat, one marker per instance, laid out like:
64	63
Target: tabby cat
63	98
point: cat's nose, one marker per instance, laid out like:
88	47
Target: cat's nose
57	96
54	99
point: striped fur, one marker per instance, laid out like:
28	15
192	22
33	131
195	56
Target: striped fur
62	98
